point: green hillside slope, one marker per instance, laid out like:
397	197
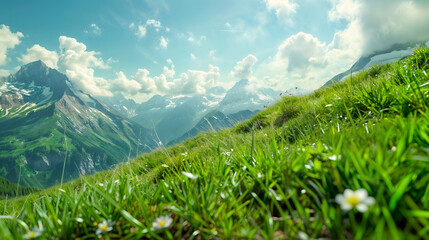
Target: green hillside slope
8	189
348	161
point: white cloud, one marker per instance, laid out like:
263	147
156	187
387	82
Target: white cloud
283	8
212	54
8	40
190	37
125	85
37	52
301	51
78	64
243	69
94	29
377	25
154	23
4	73
303	60
193	57
163	42
141	30
188	83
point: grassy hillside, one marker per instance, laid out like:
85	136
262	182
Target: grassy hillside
286	173
9	190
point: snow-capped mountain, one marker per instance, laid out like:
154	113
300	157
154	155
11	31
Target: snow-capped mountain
45	121
393	53
172	117
245	96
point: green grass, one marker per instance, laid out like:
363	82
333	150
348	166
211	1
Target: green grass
275	176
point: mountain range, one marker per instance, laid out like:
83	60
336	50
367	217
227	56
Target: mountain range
47	126
45	122
173	117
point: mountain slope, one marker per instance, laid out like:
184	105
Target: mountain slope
44	123
214	121
394	53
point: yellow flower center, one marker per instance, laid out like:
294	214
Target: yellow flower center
95	223
353	201
31	235
104	227
161	223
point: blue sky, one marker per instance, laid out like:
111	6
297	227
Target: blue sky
146	47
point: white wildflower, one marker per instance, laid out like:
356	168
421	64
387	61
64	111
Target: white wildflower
104	227
358	199
162	222
190	175
35	233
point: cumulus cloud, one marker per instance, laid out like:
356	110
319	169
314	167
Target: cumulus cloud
379	24
93	29
243	69
141	30
79	64
303	60
8	40
37	52
301	51
283	8
123	84
142	85
163	42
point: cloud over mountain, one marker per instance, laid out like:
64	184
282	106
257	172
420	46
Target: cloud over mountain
142	85
303	59
79	65
37	52
379	24
8	40
243	69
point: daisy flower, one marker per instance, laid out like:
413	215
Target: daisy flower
162	222
103	227
35	233
358	199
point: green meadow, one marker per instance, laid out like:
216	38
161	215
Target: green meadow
349	161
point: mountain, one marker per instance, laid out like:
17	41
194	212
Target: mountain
245	96
215	121
173	117
44	121
120	105
393	53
